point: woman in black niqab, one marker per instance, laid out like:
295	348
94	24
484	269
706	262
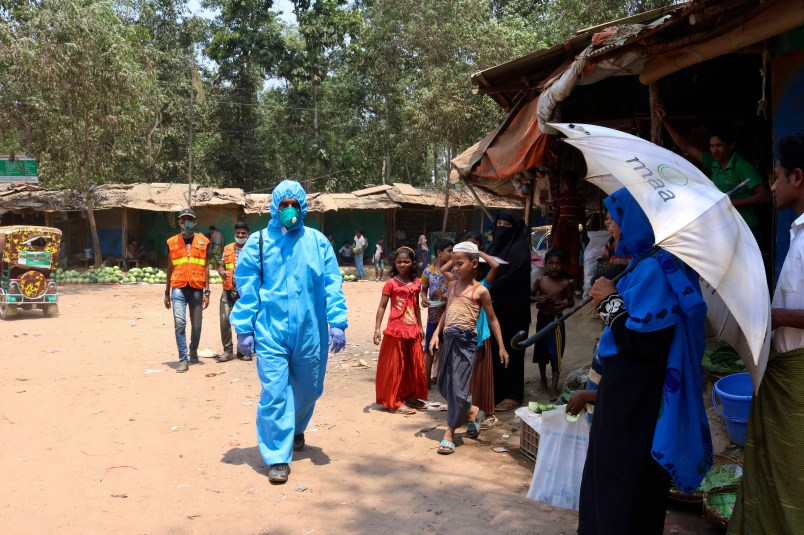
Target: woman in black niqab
510	295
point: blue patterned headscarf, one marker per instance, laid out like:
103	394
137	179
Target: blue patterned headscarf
662	292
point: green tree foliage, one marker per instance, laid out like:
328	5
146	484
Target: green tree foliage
355	92
74	85
558	20
246	45
170	35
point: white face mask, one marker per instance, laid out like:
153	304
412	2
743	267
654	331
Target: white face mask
240	241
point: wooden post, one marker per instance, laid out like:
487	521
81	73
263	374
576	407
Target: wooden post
393	228
655	125
528	206
124	241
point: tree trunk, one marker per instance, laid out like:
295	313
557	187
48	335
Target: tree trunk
435	164
450	151
124	240
316	128
190	146
149	140
93	228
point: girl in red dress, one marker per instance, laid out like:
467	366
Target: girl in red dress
401	383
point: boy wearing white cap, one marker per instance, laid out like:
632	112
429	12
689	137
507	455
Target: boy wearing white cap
465	297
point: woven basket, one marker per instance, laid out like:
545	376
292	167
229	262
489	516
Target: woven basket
711	514
698	497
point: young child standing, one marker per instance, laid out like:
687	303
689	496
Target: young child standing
465	298
482	388
434	289
401	383
553	293
378	260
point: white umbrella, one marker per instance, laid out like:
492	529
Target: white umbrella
695	221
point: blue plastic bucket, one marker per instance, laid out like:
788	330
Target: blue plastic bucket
735	393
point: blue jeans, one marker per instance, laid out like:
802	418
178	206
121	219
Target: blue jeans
359	265
182	298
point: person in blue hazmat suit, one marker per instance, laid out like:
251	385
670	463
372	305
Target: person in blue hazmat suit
291	308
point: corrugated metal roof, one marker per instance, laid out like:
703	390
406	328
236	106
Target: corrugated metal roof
173	197
406	189
371	191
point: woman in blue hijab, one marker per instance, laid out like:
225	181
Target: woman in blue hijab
650	425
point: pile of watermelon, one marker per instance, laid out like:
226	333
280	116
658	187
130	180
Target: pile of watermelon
104	275
147	275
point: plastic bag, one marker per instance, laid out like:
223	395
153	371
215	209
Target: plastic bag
559	462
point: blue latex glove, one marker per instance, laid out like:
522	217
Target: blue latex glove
245	344
337	339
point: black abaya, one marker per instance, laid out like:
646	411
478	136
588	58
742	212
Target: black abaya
510	296
624	490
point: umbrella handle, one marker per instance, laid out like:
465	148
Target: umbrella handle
518	341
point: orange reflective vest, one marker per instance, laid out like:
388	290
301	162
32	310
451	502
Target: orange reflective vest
188	268
229	258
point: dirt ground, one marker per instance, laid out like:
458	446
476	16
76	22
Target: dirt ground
100	435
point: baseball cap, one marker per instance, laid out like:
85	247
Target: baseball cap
187	212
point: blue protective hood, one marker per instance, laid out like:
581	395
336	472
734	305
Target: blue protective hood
285	189
636	236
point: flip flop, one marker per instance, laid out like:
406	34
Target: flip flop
405	410
473	428
446	447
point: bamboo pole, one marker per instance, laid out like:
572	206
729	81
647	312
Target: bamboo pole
479	202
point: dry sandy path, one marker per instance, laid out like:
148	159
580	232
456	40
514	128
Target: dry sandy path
100	435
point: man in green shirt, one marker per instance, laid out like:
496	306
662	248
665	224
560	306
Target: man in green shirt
727	169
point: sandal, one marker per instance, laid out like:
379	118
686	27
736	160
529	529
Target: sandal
446	447
473	428
488	423
416	404
506	405
405	410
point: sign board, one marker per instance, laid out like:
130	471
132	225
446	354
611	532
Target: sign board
35	258
22	169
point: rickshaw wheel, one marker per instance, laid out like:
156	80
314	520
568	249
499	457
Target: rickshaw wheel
4	309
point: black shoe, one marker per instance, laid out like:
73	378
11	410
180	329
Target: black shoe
194	358
278	473
298	442
226	357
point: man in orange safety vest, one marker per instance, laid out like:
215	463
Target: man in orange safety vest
230	295
187	285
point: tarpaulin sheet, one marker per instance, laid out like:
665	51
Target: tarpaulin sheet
516	145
